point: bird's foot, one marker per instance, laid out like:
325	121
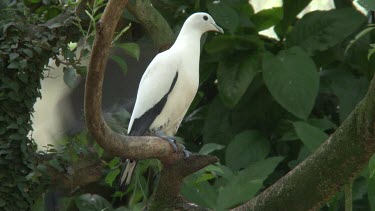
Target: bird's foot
173	142
170	139
186	153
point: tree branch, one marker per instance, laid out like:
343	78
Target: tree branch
313	182
154	24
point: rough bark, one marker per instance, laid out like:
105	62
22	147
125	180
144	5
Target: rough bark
313	182
131	146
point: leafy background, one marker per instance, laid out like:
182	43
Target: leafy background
263	104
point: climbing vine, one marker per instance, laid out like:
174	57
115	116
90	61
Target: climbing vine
27	44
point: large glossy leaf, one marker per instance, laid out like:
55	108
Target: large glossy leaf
319	30
368	4
234	78
246	183
217	128
202	193
228	43
266	18
292	79
246	148
349	89
210	147
291	8
312	137
224	14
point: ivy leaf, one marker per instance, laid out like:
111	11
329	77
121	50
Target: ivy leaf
292	79
70	77
13	56
132	49
320	30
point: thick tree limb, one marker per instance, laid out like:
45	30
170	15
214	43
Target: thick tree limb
313	182
175	167
154	24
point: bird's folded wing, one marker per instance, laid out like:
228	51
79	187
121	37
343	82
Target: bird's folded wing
156	83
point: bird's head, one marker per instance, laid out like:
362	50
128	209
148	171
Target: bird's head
203	22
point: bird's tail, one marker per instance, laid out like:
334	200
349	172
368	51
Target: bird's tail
127	173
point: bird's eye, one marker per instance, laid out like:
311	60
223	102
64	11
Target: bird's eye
205	17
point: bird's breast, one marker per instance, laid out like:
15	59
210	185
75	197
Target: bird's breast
177	103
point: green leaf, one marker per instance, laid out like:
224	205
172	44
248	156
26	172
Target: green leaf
14	65
217	128
292	79
121	62
92	202
111	176
131	49
247	183
320	30
246	148
234	78
13	56
312	137
55	164
28	52
70	77
210	147
202	193
291	8
225	43
368	4
349	88
265	19
223	14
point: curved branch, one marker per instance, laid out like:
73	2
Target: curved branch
113	143
154	24
331	166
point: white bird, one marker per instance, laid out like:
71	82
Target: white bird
168	87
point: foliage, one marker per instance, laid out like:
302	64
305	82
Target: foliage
27	44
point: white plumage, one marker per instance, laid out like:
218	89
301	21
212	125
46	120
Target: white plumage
169	84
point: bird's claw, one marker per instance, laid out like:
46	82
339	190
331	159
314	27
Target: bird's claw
186	153
172	142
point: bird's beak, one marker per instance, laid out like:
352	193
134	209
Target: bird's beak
218	28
